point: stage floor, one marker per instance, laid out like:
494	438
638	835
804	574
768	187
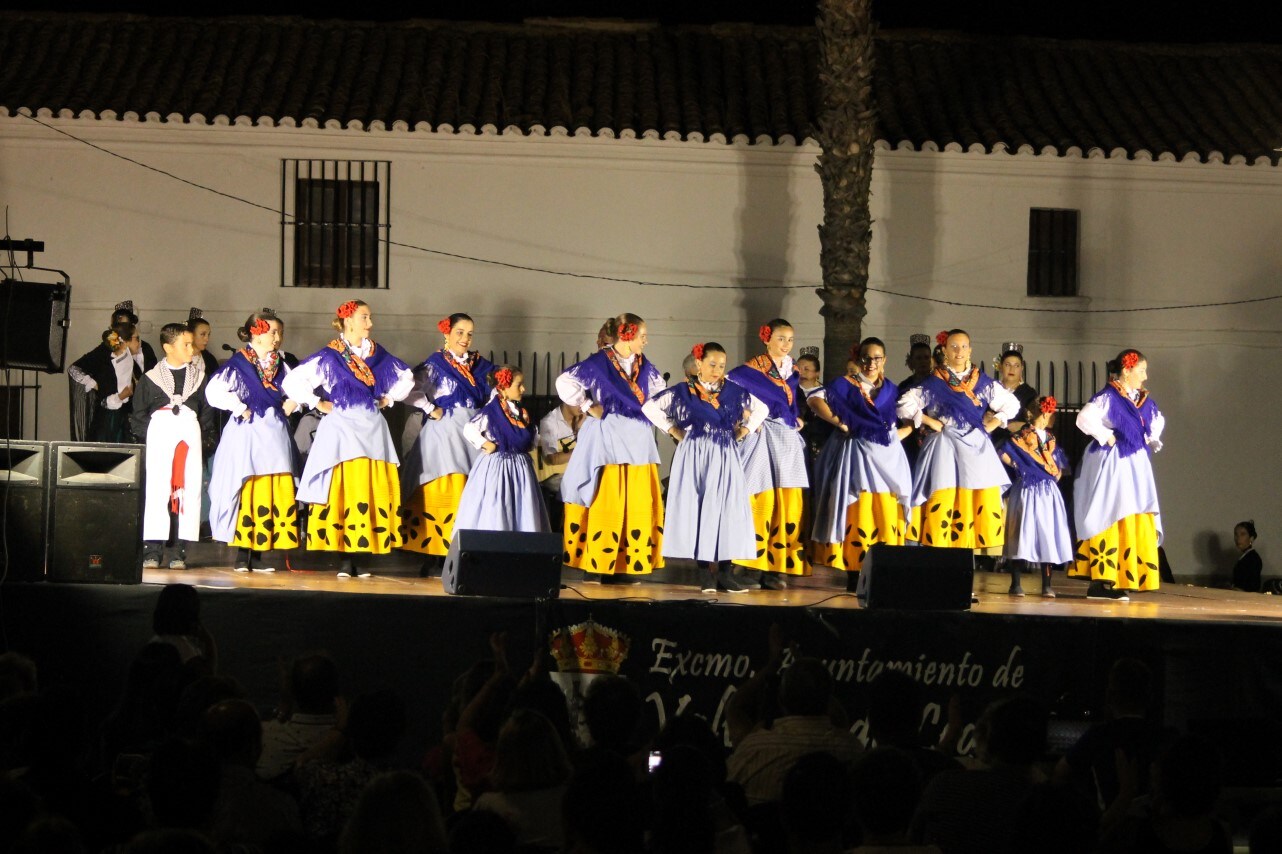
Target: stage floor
395	576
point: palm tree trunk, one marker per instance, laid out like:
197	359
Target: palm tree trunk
847	124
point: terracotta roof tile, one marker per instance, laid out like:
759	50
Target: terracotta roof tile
736	84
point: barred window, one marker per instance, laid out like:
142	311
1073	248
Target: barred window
1052	252
335	223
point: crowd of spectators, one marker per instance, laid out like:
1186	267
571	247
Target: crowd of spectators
186	762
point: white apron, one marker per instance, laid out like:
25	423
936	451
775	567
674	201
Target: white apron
164	433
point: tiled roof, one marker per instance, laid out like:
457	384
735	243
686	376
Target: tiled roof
731	84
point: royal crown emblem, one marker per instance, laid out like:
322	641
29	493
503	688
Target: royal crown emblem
589	648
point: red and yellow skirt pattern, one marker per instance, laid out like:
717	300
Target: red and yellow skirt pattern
621	533
361	514
959	518
428	526
1124	555
268	514
781	521
875	517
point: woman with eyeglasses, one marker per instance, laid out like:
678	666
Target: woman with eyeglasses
862	486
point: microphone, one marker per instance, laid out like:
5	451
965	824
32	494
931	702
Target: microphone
665	376
229	348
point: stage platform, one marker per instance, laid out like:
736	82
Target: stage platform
1216	654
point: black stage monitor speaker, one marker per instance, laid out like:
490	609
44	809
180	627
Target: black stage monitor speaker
95	513
24	502
917	578
34	318
503	563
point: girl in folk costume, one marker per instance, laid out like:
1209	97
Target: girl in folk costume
958	476
252	504
351	469
171	416
862	481
1115	504
502	491
613	505
450	386
774	460
112	370
1036	522
708	510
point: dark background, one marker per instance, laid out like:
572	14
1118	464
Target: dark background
1164	22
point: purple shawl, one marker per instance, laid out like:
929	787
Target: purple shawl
472	396
942	401
864	421
346	390
1131	424
510	438
242	375
1028	470
700	418
764	389
608	387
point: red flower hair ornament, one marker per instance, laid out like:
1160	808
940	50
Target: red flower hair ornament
764	333
444	325
503	379
942	338
347	309
1049	405
697	351
1130	360
260	327
628	332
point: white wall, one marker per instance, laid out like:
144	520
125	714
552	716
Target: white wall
950	226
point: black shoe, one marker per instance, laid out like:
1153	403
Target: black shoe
346	569
242	560
593	578
726	582
852	582
1015	589
773	581
710	579
427	568
1048	592
1100	590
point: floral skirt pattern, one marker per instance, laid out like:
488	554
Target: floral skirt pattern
1124	555
428	525
361	514
621	533
959	518
268	514
876	517
780	519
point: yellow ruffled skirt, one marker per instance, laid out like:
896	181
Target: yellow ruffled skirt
621	533
429	517
876	517
362	512
1124	555
268	514
958	518
781	523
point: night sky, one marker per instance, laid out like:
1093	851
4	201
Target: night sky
1224	21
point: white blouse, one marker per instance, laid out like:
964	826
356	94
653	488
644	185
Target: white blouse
299	383
1093	420
657	411
571	390
1000	401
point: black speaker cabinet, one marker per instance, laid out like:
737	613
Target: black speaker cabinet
917	578
33	317
503	563
24	503
95	512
